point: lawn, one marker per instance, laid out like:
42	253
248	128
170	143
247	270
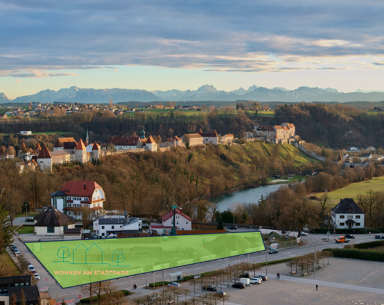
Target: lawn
4	256
24	229
352	190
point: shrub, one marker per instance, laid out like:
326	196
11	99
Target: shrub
368	255
94	298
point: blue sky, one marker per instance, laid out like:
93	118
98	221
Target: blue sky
161	45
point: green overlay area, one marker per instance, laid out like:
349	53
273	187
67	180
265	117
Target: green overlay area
78	262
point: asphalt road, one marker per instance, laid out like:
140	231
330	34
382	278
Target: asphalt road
142	280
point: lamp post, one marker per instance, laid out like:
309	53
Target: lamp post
314	254
266	262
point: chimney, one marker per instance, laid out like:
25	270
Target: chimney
181	210
84	185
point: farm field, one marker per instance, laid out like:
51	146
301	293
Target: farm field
352	190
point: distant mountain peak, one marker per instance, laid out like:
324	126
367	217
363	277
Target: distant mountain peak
206	88
3	98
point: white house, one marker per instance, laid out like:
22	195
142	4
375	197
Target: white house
52	222
26	133
107	225
210	137
347	215
76	195
183	221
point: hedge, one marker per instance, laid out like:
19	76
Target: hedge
368	255
94	298
371	244
157	284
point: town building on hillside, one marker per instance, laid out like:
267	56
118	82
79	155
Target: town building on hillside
193	139
150	144
65	143
122	143
183	221
47	159
174	142
52	222
114	224
227	138
347	215
284	133
209	137
77	195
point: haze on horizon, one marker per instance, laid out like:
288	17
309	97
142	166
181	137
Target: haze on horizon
167	44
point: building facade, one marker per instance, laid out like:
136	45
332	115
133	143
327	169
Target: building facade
105	226
183	221
347	215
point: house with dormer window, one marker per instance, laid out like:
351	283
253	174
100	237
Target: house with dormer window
347	215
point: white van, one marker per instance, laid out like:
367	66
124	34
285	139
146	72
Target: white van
245	281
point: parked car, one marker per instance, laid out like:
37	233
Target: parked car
232	227
303	233
17	253
210	288
349	236
256	280
379	236
238	285
29	264
273	251
220	294
31	268
246	275
174	284
33	271
37	277
263	277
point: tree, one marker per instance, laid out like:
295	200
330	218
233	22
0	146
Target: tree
323	203
63	252
118	257
13	299
220	224
371	203
22	298
6	233
63	302
86	213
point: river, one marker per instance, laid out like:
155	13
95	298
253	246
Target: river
251	195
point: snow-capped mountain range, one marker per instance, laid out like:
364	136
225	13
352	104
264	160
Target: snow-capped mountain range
204	93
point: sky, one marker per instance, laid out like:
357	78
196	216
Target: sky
173	44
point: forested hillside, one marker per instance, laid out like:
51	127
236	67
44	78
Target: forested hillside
148	182
338	126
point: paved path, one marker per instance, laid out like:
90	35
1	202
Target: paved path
315	282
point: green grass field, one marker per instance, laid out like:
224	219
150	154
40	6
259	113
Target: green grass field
4	256
24	229
352	190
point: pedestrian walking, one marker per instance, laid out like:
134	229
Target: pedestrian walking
134	286
317	287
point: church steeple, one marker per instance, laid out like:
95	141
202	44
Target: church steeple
142	134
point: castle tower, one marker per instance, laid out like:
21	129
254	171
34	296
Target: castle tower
95	152
81	152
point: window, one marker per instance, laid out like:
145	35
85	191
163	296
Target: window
102	234
357	216
102	227
50	229
113	227
341	224
357	224
341	216
187	222
350	216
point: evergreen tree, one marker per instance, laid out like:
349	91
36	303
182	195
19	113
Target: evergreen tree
220	224
6	234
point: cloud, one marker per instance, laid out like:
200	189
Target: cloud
18	81
33	74
214	35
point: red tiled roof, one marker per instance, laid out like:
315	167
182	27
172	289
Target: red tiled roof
278	127
170	214
44	153
76	188
229	135
80	145
286	128
265	128
208	134
193	135
95	146
291	125
38	147
60	141
150	140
